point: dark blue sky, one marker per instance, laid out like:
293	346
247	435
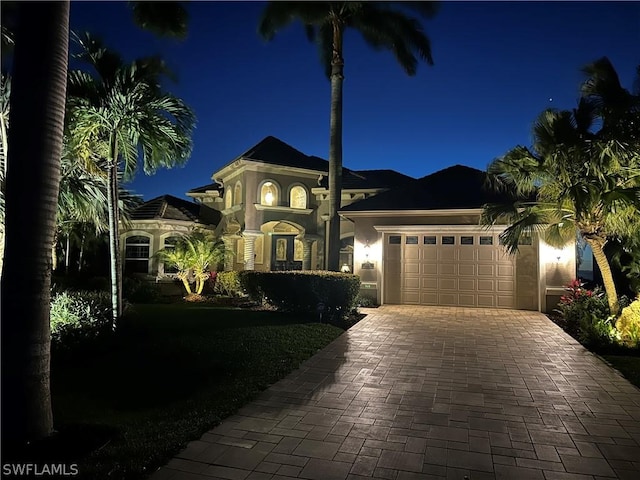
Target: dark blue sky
497	66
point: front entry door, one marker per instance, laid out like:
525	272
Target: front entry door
282	253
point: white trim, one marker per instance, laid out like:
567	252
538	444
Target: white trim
278	208
438	228
402	213
232	209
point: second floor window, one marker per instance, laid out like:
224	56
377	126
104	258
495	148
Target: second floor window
268	194
298	197
237	194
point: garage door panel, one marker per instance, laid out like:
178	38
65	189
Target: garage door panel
447	284
448	299
486	270
505	270
486	285
429	283
411	282
429	298
446	253
429	253
505	302
486	254
467	284
411	297
504	286
467	269
467	254
429	268
487	301
412	268
446	269
411	253
466	300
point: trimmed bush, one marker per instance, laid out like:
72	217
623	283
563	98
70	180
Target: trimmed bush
303	292
137	290
228	283
79	318
585	313
629	324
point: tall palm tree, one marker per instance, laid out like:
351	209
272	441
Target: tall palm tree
32	182
38	104
120	115
383	25
581	174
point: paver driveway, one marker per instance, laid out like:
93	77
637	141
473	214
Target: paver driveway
433	393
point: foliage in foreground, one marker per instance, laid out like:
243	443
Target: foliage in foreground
173	373
586	315
331	294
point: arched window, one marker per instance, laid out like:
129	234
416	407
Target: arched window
136	254
169	243
269	194
298	197
237	194
228	198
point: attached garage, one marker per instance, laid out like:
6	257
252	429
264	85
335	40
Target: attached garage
451	267
423	244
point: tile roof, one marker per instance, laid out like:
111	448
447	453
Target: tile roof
167	207
451	188
274	151
206	188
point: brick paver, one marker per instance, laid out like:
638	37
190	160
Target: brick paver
425	393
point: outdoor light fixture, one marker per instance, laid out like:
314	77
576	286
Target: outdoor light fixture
367	247
345	268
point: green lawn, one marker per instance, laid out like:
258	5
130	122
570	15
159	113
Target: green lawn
173	373
627	365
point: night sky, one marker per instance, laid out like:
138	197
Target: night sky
497	66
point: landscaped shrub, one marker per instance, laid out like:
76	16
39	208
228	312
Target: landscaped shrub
364	301
314	292
79	318
228	283
628	324
585	314
137	290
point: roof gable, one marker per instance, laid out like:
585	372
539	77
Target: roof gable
167	207
456	187
274	151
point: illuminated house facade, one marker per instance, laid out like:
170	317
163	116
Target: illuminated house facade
410	241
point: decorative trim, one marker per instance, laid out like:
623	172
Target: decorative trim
396	213
438	228
278	208
232	209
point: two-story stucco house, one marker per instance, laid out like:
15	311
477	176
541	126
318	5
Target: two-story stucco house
410	241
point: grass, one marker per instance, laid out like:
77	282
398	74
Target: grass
172	373
627	365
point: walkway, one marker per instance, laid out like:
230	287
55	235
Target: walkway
425	393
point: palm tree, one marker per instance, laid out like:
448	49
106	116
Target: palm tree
383	25
576	176
38	104
194	255
118	115
37	120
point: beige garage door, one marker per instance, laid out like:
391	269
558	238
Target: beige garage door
450	268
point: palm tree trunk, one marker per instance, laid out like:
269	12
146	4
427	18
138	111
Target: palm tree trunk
66	255
597	247
114	250
54	252
37	119
335	149
81	253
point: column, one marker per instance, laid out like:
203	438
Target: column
228	259
249	248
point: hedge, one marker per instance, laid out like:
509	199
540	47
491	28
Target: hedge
303	292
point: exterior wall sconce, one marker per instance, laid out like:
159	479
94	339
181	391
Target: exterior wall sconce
367	248
345	268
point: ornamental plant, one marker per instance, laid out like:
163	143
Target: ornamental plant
586	314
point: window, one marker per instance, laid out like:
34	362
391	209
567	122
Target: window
449	240
395	240
411	240
228	198
429	240
466	240
237	194
298	250
136	254
486	240
268	194
298	197
170	244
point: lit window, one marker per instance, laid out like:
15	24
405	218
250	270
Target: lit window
298	250
237	194
136	254
298	197
268	194
228	199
